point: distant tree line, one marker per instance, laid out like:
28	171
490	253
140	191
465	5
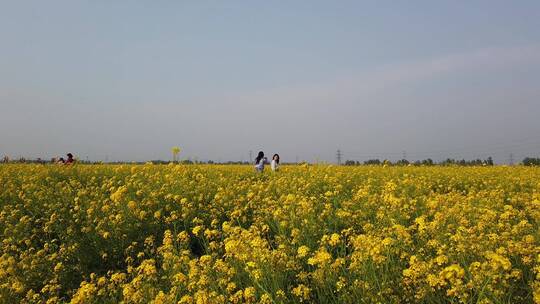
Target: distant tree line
424	162
195	162
6	159
531	161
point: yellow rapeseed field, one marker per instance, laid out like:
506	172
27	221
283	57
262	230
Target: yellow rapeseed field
311	234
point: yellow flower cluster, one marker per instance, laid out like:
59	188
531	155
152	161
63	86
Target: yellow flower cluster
310	234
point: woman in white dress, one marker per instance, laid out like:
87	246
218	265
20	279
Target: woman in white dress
275	162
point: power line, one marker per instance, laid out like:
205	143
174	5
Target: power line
447	153
526	143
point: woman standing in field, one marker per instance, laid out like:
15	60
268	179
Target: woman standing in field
275	162
260	161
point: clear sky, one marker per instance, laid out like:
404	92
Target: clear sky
127	80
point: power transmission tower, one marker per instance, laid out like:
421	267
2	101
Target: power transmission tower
404	155
338	156
511	159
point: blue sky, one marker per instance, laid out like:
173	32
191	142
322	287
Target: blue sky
130	79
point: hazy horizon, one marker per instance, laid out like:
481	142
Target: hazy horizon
128	81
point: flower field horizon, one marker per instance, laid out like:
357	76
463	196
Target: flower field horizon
306	234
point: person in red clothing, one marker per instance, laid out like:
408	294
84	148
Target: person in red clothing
70	160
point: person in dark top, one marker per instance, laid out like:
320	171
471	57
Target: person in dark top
70	160
260	161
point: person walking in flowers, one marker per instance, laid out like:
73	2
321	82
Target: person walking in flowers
260	161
